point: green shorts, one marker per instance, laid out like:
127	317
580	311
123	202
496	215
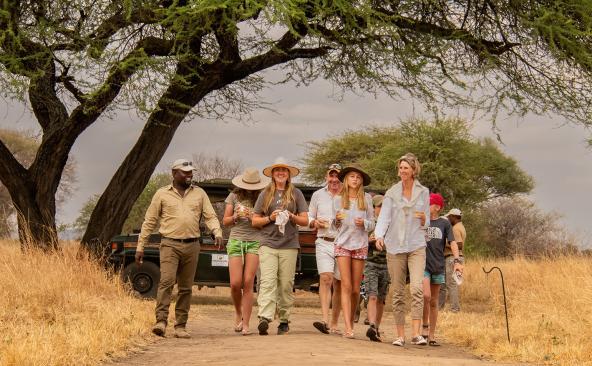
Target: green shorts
435	279
238	248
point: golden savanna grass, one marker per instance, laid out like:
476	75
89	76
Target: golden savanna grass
62	310
549	307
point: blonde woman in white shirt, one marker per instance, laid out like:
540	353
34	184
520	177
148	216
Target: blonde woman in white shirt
355	219
401	229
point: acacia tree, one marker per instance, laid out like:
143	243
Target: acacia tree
466	170
74	61
23	145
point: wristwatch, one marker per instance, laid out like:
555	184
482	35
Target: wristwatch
457	260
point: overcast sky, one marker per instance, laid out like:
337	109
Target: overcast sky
553	153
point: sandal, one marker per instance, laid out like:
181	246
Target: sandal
239	327
349	335
433	343
246	332
321	327
334	331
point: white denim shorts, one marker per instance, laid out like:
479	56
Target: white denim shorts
325	255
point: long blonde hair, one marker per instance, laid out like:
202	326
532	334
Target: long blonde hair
287	196
345	195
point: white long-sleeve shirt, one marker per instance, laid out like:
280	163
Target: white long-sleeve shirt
397	225
350	236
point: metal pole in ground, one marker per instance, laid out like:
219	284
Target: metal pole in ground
504	291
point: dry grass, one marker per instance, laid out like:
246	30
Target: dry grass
549	306
60	310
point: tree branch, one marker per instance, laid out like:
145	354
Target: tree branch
12	173
76	93
228	41
100	38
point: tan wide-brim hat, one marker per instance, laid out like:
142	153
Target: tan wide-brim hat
377	200
251	180
281	163
355	168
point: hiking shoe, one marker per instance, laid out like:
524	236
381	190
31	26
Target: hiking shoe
419	341
283	328
181	332
321	327
400	342
263	326
159	328
372	333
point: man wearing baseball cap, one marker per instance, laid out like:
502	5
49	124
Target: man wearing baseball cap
321	215
460	237
179	208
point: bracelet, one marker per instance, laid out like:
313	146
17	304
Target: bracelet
457	260
269	217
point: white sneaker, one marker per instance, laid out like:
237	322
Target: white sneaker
399	342
419	341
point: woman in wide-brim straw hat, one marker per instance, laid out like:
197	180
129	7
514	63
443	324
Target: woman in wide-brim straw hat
282	202
243	243
355	219
401	228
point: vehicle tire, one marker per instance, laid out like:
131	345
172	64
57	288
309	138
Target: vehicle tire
144	279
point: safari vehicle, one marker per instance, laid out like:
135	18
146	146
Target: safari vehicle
212	266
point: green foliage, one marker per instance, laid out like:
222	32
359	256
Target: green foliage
467	171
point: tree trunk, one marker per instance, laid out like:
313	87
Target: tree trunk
125	187
36	220
131	177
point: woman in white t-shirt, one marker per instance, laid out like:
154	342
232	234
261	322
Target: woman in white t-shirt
355	219
243	244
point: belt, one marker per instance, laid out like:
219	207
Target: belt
326	238
188	240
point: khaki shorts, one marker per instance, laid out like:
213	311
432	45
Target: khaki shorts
325	256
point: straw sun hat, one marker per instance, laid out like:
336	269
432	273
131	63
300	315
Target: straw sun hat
251	180
281	163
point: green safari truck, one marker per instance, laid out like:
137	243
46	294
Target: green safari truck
212	267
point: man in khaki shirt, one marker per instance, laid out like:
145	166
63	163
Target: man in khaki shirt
460	236
179	208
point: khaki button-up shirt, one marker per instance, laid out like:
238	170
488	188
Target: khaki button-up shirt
179	216
460	235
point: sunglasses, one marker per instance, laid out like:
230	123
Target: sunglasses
186	163
335	167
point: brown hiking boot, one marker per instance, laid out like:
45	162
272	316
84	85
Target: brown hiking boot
181	332
159	328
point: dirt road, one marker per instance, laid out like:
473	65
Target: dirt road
215	343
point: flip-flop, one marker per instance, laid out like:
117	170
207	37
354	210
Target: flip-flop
239	327
321	327
334	331
246	332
